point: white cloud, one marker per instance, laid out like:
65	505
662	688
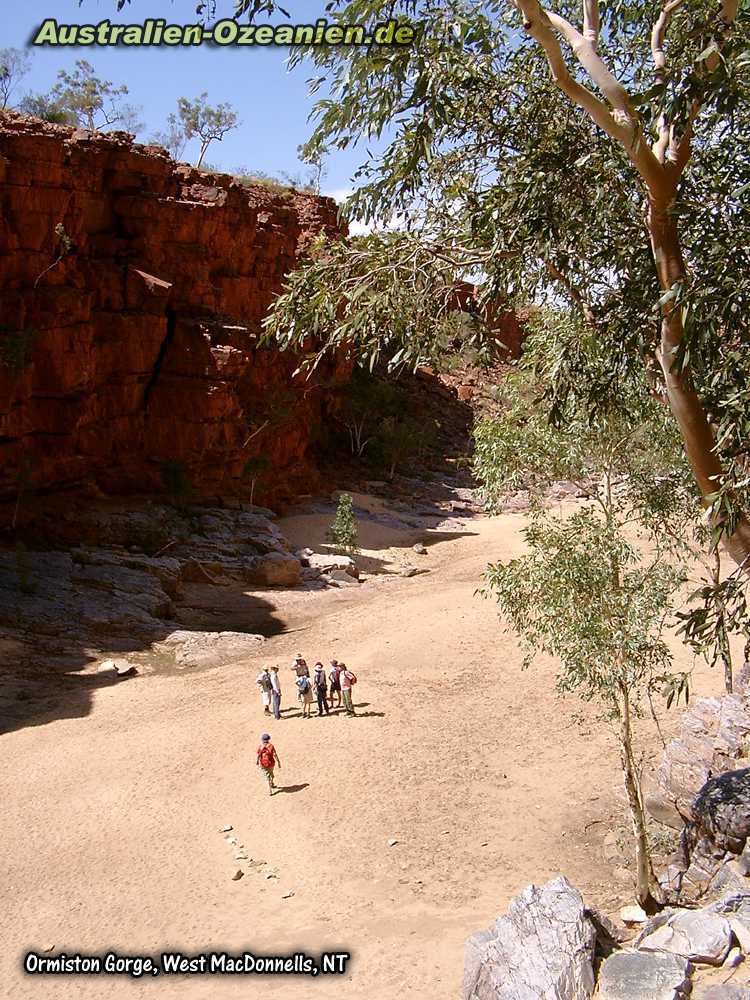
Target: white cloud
357	228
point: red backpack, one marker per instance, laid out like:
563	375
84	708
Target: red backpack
351	677
266	756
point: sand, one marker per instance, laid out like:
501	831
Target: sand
487	779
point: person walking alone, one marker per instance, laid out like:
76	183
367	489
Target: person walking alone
320	684
275	692
267	759
348	680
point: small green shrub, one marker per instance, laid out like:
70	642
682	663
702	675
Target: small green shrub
343	530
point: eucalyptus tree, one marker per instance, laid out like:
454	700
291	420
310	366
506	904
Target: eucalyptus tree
598	585
89	101
596	153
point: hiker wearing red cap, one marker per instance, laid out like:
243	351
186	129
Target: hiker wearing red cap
266	760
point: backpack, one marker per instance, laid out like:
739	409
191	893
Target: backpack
265	683
303	684
266	756
351	677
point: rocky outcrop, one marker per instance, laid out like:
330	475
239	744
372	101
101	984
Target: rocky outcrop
542	947
125	587
703	788
714	737
132	292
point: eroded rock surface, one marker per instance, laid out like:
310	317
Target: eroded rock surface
638	975
542	947
129	337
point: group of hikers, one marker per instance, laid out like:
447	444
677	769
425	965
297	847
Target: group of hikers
339	682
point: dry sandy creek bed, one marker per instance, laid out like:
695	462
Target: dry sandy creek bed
110	826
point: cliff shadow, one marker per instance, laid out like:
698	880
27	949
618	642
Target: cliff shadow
48	651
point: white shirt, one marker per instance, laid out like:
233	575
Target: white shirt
275	682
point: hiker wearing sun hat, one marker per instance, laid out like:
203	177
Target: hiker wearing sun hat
266	760
300	667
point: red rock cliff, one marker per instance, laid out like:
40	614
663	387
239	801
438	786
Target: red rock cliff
138	348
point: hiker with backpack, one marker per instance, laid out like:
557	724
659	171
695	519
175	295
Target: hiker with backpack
320	685
266	760
347	680
263	680
335	684
305	694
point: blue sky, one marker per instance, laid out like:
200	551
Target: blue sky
272	103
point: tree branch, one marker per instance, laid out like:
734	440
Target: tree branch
621	124
591	21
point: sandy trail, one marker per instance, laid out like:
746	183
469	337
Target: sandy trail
110	826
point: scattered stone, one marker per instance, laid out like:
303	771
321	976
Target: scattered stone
237	875
107	667
240	857
226	829
633	915
542	947
270	875
288	895
608	934
392	842
640	975
342	578
698	935
420	549
733	959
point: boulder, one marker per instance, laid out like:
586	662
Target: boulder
542	947
208	649
640	975
722	810
277	569
734	907
717	833
326	562
698	935
714	738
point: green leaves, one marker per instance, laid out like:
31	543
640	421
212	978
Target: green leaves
588	596
386	295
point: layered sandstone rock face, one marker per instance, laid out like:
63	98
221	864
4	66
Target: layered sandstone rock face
132	291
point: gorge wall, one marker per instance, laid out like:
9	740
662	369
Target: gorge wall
132	291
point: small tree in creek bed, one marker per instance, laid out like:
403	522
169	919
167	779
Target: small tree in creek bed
343	529
596	587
